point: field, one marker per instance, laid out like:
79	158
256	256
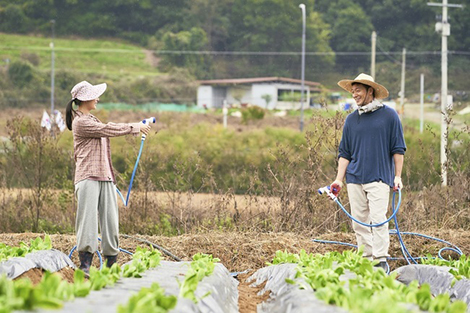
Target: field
243	252
278	210
111	58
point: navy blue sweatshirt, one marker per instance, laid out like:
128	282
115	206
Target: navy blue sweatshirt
369	142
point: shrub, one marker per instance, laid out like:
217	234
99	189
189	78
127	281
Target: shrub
252	113
20	73
32	159
32	58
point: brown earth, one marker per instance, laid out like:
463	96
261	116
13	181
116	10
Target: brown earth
240	251
248	297
245	251
36	274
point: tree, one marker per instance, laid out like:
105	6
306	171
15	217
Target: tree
404	23
267	97
192	40
13	19
351	30
276	26
214	17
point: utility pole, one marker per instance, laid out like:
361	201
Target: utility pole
372	60
225	112
302	7
444	29
421	101
402	89
52	76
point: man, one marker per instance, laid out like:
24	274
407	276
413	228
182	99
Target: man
371	155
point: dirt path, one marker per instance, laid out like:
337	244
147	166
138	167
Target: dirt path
431	114
151	59
413	110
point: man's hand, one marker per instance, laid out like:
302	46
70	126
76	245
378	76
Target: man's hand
144	128
397	183
335	187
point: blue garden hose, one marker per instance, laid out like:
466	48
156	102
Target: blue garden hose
406	254
125	202
98	253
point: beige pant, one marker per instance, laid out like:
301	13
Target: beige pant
97	205
369	204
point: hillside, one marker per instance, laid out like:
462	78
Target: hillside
137	74
110	58
129	70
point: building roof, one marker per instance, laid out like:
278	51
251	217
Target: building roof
239	81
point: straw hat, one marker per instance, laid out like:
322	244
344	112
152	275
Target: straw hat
380	91
84	91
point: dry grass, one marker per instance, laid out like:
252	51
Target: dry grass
240	251
282	198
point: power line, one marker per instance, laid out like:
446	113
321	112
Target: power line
386	53
209	52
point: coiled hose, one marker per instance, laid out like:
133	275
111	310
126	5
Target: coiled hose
406	254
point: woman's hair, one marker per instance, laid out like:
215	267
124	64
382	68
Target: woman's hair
70	112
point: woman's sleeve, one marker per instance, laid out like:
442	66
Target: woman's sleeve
95	129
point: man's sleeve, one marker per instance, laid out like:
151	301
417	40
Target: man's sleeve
344	145
397	144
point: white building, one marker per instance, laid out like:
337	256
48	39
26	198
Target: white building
267	92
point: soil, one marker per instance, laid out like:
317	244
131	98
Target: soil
246	252
248	296
36	274
151	59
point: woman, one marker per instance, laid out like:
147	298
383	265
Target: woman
94	177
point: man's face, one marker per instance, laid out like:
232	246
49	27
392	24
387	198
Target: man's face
362	94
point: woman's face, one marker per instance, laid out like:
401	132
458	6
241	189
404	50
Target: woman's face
91	104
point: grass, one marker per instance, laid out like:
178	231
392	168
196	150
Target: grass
109	57
194	175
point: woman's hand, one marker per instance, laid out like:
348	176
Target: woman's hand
145	128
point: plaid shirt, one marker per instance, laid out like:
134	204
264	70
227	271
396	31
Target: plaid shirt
92	150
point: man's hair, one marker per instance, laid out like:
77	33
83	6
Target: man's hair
367	87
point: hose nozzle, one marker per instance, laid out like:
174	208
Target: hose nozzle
323	190
327	190
150	120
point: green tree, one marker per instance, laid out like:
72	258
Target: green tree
13	19
276	25
213	16
351	30
460	24
404	23
193	40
